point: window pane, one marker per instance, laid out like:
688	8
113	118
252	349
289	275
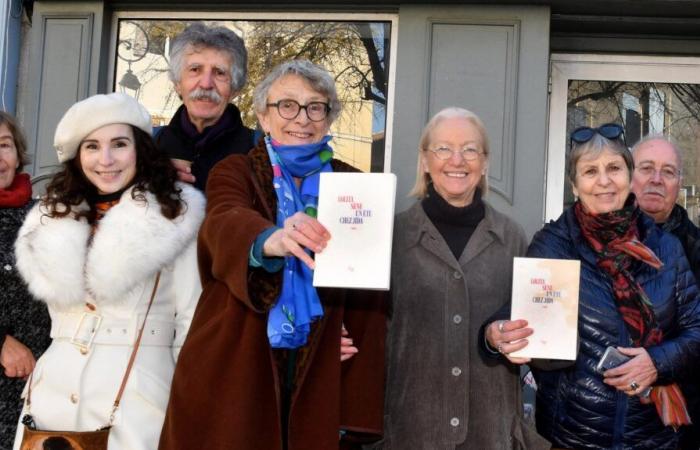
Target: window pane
356	54
668	109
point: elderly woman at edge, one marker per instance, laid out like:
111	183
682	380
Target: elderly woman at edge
452	261
24	322
636	293
274	389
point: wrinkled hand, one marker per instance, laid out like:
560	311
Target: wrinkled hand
184	170
640	370
300	231
16	358
347	350
508	336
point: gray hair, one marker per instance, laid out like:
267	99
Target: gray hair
660	137
595	147
320	80
420	188
199	36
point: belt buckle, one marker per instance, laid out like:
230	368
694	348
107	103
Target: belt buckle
85	344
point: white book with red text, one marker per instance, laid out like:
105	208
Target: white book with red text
545	293
358	211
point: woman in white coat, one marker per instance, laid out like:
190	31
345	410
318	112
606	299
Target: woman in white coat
113	218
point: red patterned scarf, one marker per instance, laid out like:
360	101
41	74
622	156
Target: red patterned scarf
18	193
614	238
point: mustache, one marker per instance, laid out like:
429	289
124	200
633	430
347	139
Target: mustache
654	190
205	94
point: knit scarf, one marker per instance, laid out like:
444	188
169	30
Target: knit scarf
18	193
614	238
289	321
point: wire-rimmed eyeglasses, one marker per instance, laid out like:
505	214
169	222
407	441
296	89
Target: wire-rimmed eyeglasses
668	173
445	153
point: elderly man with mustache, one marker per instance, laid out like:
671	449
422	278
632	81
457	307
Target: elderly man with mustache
656	183
208	66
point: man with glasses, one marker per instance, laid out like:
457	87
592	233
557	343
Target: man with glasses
656	183
208	67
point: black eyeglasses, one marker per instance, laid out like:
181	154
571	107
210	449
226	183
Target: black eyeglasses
290	109
610	131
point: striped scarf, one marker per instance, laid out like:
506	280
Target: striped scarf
614	238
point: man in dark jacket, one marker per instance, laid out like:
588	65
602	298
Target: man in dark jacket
656	183
208	66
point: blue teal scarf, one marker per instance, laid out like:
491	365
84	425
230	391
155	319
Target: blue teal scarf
289	321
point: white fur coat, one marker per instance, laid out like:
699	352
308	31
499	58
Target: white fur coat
74	390
133	242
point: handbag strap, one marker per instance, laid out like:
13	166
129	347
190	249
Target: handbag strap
133	353
129	366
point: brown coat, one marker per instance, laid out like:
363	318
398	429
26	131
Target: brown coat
226	389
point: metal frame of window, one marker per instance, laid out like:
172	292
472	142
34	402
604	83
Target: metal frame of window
282	16
566	67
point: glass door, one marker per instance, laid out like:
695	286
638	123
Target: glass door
647	95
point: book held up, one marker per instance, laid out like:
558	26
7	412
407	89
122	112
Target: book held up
545	293
358	211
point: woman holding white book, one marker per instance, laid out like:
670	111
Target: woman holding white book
636	294
263	337
452	261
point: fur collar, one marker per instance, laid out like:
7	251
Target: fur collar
132	242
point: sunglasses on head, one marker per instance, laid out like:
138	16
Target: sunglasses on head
609	131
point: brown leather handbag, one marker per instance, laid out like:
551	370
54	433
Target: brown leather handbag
34	439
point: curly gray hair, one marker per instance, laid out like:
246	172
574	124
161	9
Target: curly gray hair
198	36
320	80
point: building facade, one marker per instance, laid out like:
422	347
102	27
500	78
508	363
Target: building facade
533	71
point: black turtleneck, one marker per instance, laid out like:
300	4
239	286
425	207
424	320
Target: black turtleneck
455	224
101	203
95	198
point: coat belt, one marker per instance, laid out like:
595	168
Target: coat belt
86	329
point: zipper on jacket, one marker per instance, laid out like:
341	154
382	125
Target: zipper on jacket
622	400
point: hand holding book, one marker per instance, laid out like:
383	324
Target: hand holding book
300	232
507	336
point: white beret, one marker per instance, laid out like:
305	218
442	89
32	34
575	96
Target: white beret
94	112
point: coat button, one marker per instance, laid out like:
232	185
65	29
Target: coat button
456	371
8	267
457	275
74	398
454	422
457	318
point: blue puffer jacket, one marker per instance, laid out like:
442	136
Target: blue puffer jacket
575	409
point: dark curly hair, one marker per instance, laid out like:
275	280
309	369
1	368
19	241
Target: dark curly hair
154	173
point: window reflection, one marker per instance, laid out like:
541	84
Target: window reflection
356	53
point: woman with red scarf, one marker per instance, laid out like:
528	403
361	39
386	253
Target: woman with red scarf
637	294
24	322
